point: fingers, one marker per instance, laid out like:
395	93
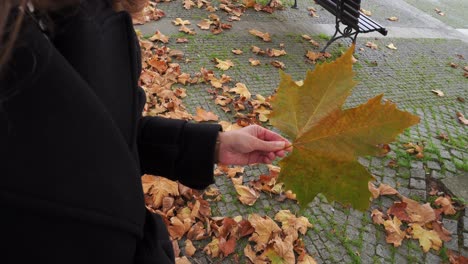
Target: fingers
269	135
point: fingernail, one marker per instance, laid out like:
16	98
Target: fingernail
280	144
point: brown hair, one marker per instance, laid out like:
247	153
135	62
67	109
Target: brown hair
9	26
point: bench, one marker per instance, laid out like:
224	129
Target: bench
347	12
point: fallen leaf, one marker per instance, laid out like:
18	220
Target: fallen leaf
188	4
187	30
158	188
443	233
327	139
398	209
419	213
265	36
291	225
427	238
438	92
205	24
212	248
439	12
189	248
462	118
366	12
306	37
241	90
377	217
182	260
246	195
391	46
446	204
278	64
179	21
394	233
453	65
254	62
307	260
158	36
461	99
237	51
372	45
265	228
257	50
275	52
282	251
223	65
203	115
393	18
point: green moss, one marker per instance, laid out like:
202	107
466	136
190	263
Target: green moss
324	36
462	165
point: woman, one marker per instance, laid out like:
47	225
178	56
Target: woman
73	143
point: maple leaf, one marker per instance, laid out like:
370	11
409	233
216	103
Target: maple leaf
265	36
254	62
328	140
159	36
282	251
264	228
205	24
237	51
278	64
246	195
203	115
393	18
446	204
398	209
462	118
427	238
179	21
419	213
223	65
159	187
291	225
394	234
241	90
372	45
377	217
391	46
438	92
189	248
182	260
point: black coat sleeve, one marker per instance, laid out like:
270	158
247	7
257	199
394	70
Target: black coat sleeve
178	150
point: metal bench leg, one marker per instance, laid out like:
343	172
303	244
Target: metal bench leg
295	4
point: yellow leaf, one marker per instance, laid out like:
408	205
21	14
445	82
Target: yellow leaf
189	248
205	24
179	21
241	90
223	65
394	234
265	229
265	36
328	140
203	115
247	195
427	238
391	46
254	62
237	51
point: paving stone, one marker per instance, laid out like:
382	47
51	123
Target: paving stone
417	165
418	184
450	166
404	191
445	154
433	165
352	233
418	173
399	259
339	217
433	259
389	172
419	194
389	180
456	153
364	162
452	244
383	251
465	240
437	175
450	225
465	222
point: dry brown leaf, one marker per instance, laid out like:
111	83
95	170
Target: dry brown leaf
241	90
212	249
391	46
187	30
265	229
228	126
438	92
179	21
306	37
419	213
188	4
205	24
427	238
158	36
265	36
291	225
182	260
237	51
443	233
377	217
181	40
278	64
158	188
254	62
307	259
394	233
275	52
223	65
393	18
439	12
446	204
398	209
203	115
462	118
366	12
176	228
314	43
282	251
257	50
372	45
189	248
246	195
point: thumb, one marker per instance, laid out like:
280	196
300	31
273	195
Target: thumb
267	146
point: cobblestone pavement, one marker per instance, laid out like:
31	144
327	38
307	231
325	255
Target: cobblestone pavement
406	76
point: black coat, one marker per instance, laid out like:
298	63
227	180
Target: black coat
73	146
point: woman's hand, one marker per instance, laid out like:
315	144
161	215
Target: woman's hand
251	144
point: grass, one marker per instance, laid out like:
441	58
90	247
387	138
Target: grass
324	36
462	165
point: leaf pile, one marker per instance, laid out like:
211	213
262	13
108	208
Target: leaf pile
407	218
328	140
149	13
187	215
